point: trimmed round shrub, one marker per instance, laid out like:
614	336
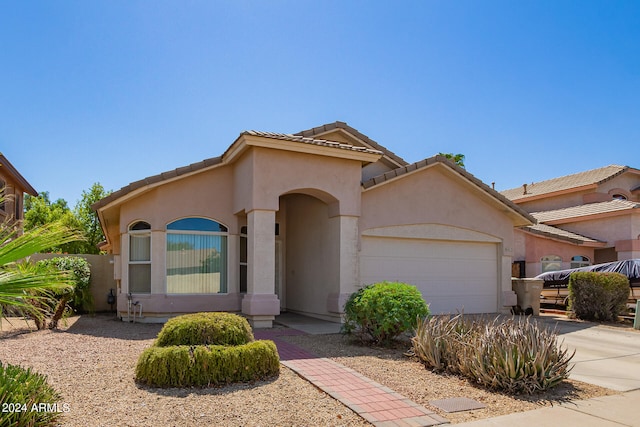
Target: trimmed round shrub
20	390
205	329
203	366
382	311
207	349
598	295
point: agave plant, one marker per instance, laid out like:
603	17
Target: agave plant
24	288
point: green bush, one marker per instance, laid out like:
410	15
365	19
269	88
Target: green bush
382	311
20	390
206	349
205	329
515	356
203	366
80	270
598	296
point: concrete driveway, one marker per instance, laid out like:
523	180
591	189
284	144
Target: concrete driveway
605	356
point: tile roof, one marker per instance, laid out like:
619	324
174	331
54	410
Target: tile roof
595	176
376	180
585	210
164	176
558	233
194	167
311	141
342	125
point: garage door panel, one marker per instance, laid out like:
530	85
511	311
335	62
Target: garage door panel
452	276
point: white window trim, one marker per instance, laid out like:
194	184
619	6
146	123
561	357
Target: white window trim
129	262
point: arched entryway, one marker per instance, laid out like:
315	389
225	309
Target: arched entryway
307	254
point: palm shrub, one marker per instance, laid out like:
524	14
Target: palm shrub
206	349
598	295
515	356
20	390
382	311
25	289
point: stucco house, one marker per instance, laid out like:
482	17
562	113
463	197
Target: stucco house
298	222
586	218
13	187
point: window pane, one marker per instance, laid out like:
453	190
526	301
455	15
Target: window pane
140	278
196	224
243	279
243	249
196	264
139	247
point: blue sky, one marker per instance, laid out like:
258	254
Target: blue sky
114	91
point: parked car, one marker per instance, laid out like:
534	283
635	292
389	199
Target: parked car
555	288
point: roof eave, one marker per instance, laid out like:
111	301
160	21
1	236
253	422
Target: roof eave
4	162
563	239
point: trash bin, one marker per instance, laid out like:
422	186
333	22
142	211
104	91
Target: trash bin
528	294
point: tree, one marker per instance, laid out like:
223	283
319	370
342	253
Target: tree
88	220
40	211
24	286
458	159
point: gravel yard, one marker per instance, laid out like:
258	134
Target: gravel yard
91	362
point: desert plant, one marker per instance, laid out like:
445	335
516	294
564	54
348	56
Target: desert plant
207	365
515	356
81	300
382	311
26	398
598	295
442	342
205	329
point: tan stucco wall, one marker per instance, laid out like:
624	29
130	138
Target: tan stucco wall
263	175
312	251
609	229
538	247
439	197
434	196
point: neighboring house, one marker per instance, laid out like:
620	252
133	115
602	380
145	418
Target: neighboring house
298	222
13	187
586	218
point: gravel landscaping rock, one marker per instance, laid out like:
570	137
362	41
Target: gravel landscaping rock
91	360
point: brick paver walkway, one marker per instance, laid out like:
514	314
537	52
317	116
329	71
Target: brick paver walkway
374	402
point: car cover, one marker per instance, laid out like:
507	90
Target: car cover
630	268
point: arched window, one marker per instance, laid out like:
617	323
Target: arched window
140	257
551	263
196	256
619	197
579	261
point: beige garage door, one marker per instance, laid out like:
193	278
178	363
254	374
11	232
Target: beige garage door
452	276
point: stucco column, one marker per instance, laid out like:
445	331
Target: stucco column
347	261
261	304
